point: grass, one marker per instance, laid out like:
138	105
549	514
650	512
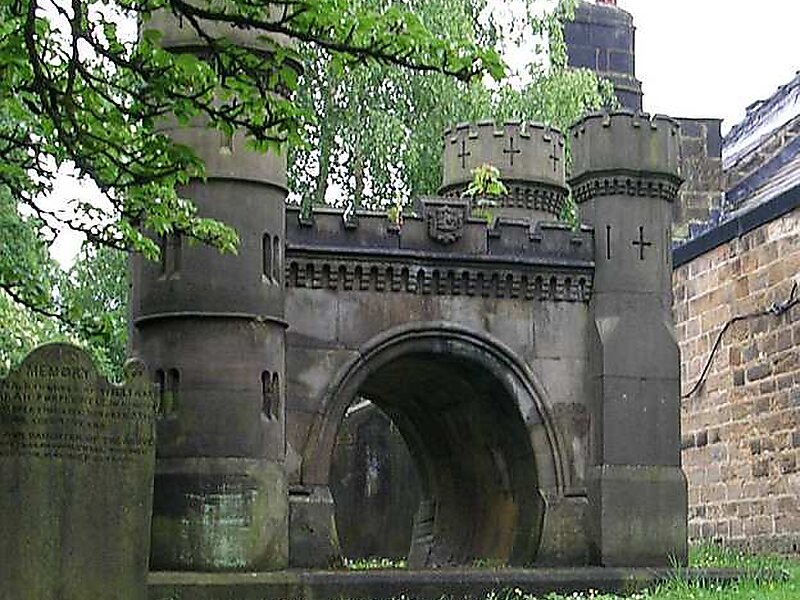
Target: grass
367	564
759	583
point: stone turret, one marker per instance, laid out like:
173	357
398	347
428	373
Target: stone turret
530	158
625	180
602	38
211	327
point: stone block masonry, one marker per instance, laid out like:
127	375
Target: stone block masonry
701	196
740	430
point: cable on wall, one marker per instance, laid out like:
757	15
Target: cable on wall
775	310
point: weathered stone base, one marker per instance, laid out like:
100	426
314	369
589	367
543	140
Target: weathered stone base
417	585
223	514
564	534
313	540
638	515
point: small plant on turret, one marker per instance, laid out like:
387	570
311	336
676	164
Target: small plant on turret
484	189
395	214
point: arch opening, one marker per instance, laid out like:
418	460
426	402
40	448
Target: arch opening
468	432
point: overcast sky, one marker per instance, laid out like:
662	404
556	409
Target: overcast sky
712	58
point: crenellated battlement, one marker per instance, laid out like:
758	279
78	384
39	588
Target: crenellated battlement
529	156
444	248
628	150
463	237
225	157
625	118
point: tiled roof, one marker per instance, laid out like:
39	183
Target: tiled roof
763	118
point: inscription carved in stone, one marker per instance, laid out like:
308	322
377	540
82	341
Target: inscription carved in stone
76	475
51	411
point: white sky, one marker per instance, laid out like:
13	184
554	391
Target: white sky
713	58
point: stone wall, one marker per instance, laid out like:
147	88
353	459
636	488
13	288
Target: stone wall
601	38
740	431
702	193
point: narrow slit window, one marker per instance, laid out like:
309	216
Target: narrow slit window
266	394
667	245
163	249
266	255
171	396
276	396
608	242
276	259
161	383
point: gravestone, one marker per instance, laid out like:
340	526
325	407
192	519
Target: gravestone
76	478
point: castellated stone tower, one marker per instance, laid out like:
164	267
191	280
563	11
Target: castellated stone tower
211	328
625	178
531	368
529	156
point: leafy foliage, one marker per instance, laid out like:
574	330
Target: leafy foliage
95	295
376	139
26	272
39	303
486	182
23	330
762	577
81	91
485	186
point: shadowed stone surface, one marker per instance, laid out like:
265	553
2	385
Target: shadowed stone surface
472	584
602	38
529	157
211	329
76	479
374	484
531	369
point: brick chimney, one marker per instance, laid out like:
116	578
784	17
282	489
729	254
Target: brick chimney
608	2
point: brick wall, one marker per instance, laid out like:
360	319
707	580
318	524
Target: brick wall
741	431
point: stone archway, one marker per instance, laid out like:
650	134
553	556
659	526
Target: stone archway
477	428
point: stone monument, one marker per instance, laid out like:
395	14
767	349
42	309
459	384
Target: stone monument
530	367
76	479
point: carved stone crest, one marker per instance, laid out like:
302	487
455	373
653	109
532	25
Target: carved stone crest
445	223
